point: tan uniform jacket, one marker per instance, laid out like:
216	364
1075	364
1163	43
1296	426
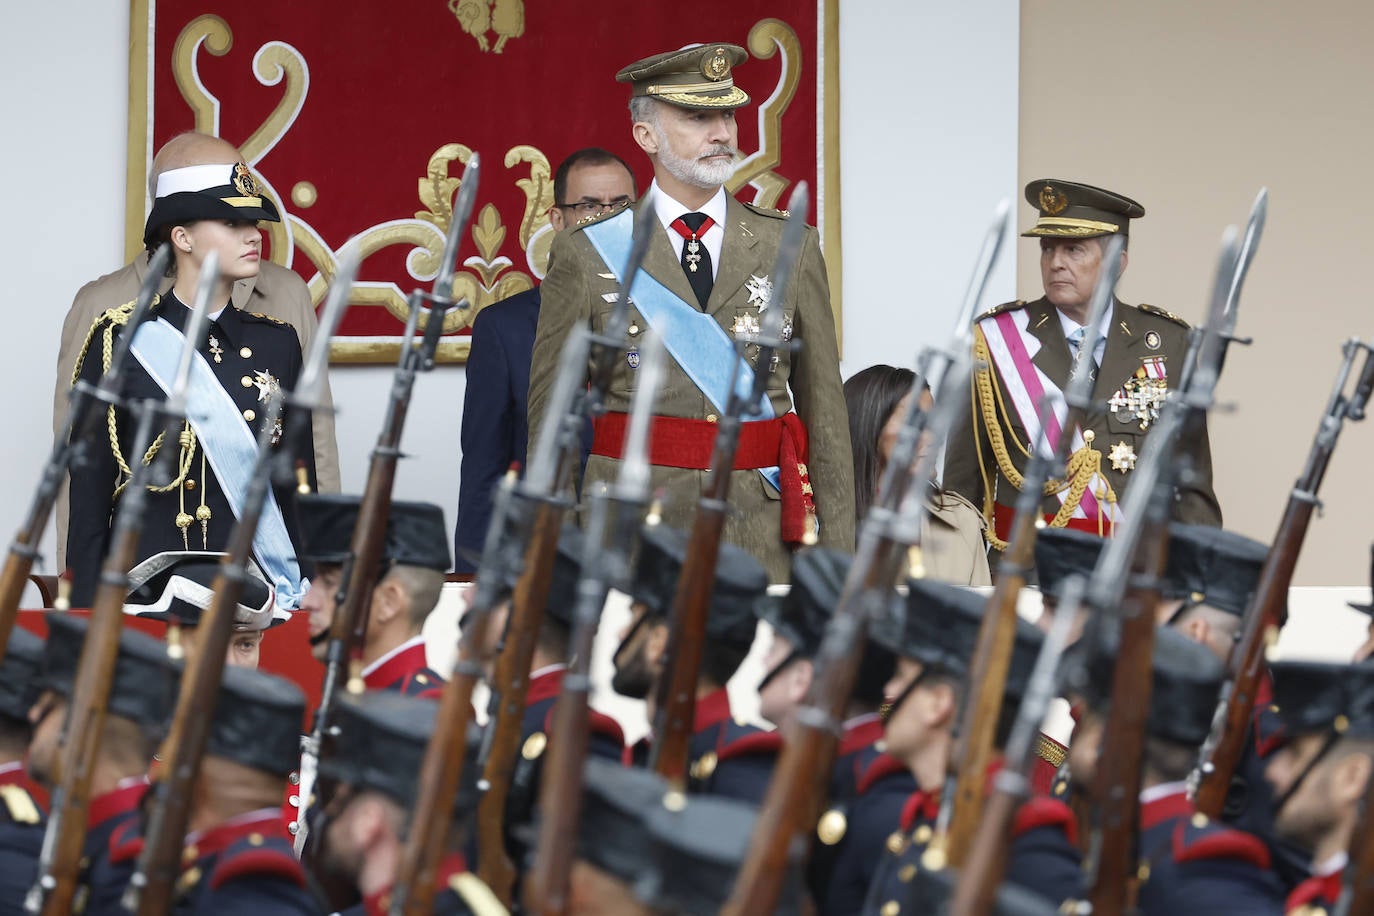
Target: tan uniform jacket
275	292
952	545
575	291
1133	330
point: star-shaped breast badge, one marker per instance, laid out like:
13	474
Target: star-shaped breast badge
1123	456
760	291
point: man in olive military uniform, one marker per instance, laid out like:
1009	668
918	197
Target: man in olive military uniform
1025	351
1321	773
706	282
21	816
276	291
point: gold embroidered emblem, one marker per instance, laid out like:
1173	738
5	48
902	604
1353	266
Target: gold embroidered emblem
716	66
478	17
1052	200
244	182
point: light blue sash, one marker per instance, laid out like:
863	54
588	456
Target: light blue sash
229	447
693	338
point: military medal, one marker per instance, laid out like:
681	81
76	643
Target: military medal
632	357
1141	397
693	253
1152	340
1123	457
787	329
746	326
760	291
269	389
215	350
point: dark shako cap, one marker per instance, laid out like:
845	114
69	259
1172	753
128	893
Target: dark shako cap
1367	608
1073	210
937	625
697	76
613	833
699	846
1317	697
1210	566
1063	552
567	570
145	683
207	192
416	534
21	674
258	721
801	615
179	586
740	583
1185	682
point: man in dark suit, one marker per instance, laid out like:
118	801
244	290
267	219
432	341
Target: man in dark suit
1026	350
495	428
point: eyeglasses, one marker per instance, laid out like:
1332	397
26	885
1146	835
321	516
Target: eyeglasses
586	208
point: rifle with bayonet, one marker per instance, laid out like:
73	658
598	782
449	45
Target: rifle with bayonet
66	444
1141	550
348	629
611	539
60	860
1225	746
544	495
800	778
153	883
675	701
991	657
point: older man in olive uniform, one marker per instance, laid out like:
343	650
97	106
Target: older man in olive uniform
1026	351
707	281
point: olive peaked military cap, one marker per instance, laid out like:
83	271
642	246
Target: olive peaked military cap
1069	209
697	76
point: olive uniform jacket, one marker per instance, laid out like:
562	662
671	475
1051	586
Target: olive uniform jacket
1137	333
276	292
579	289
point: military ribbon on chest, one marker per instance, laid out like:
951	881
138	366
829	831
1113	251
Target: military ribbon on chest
1142	395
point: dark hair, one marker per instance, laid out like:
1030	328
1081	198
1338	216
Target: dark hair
871	395
720	661
592	155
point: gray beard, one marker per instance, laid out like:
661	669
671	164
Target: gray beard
694	172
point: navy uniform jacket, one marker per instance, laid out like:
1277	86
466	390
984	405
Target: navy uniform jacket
458	892
406	671
113	817
495	428
1191	864
271	346
1042	858
852	833
727	757
21	839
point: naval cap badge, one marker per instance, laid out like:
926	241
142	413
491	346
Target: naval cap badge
244	182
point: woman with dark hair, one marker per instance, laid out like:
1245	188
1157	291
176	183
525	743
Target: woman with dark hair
952	545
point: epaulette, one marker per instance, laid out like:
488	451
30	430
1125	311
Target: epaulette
753	744
265	858
999	309
767	211
126	842
1044	812
1162	313
260	316
424	683
1201	838
20	805
608	214
479	898
881	768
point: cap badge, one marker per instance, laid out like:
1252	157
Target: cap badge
1123	456
1052	200
716	66
760	290
244	182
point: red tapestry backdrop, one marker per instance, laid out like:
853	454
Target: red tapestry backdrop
358	119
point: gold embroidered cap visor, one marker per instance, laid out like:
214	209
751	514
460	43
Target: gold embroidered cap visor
697	76
1072	210
235	194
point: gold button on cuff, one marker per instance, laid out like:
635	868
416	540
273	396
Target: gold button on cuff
250	415
712	418
246	352
246	381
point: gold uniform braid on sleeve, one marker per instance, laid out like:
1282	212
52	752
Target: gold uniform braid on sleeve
1083	464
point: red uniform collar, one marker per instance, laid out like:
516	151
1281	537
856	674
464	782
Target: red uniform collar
712	709
405	660
266	822
920	806
1169	807
865	733
547	685
112	804
379	903
1324	888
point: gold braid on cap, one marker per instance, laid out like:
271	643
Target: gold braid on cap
118	317
1083	464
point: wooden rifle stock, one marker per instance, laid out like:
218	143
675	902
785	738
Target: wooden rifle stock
1224	749
1357	895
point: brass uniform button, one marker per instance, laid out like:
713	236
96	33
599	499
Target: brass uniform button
896	844
906	874
534	746
250	415
255	839
246	381
712	418
831	827
922	834
891	908
189	484
246	352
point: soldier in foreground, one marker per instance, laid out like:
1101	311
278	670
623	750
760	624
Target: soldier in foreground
21	815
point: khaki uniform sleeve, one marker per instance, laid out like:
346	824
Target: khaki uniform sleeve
818	393
562	304
1197	502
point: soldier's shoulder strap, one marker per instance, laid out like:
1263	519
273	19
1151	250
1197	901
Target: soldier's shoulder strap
265	319
603	217
1162	313
769	212
999	309
475	893
19	805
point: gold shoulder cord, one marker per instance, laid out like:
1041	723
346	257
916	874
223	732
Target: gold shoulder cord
1083	464
111	319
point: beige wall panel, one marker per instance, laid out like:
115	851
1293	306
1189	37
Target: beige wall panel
1190	107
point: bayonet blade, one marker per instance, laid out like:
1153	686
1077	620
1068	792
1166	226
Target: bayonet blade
309	392
458	221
